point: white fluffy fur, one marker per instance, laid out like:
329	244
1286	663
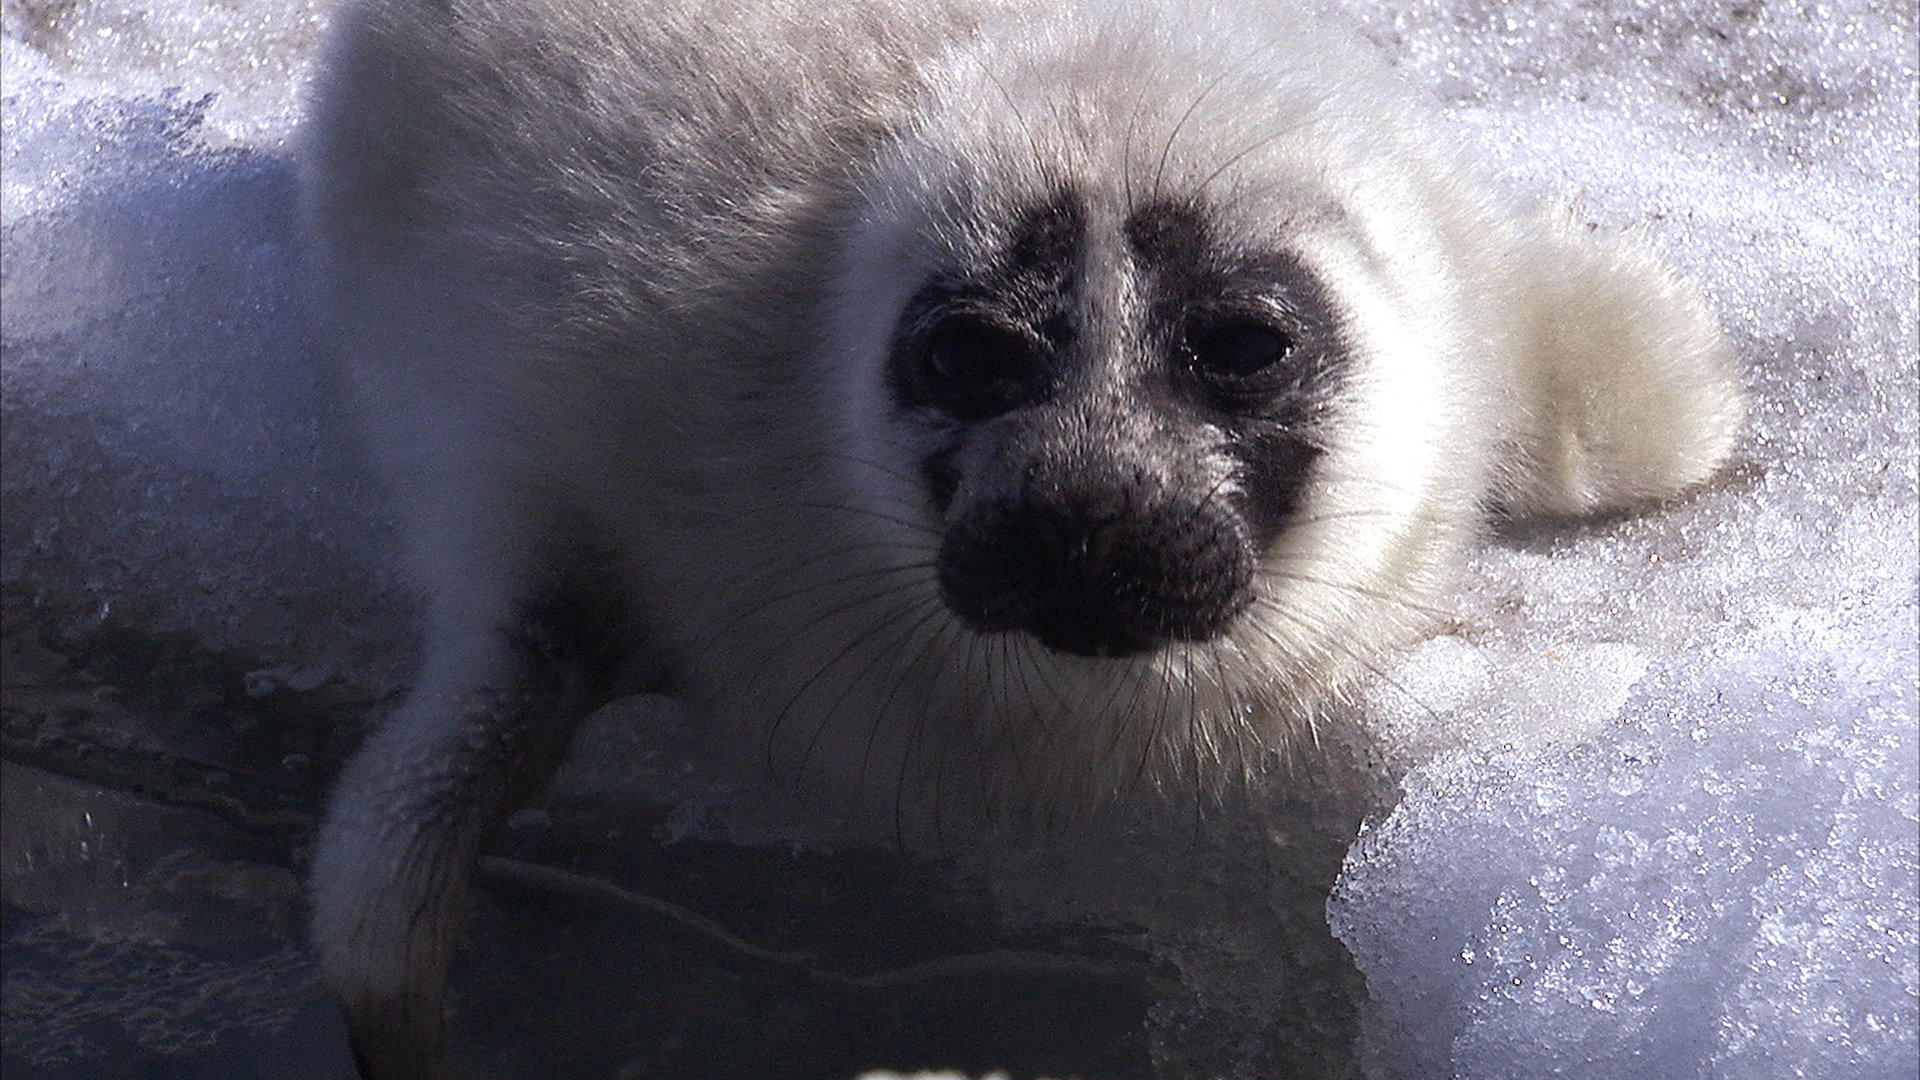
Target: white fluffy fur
630	270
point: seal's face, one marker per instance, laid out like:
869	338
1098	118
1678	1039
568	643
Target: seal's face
1140	374
1118	416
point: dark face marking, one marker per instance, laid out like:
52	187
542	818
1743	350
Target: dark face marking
976	347
1067	515
1252	341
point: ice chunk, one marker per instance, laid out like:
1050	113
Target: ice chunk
172	459
1659	818
1721	885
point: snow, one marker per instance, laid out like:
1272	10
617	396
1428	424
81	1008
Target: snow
168	452
1656	806
1678	837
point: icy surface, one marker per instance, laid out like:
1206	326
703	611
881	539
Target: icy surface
1678	838
169	458
1659	791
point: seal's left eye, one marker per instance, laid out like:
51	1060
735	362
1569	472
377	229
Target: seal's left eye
1238	351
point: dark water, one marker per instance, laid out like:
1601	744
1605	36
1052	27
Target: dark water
157	807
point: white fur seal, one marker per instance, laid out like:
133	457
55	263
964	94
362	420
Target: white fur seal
1005	403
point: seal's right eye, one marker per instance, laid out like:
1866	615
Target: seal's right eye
972	369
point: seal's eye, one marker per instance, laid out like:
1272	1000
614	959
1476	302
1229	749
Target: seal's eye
1237	352
1244	366
972	369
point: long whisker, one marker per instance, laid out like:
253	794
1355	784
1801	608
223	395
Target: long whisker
820	672
766	603
1258	144
834	508
1231	70
1347	651
1284	574
848	686
905	672
1026	130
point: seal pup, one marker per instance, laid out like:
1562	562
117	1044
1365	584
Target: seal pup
967	405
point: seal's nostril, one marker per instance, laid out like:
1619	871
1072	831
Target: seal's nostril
1097	572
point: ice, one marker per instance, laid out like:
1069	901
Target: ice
1720	884
1655	808
168	453
252	58
1660	813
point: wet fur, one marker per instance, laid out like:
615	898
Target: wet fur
619	289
